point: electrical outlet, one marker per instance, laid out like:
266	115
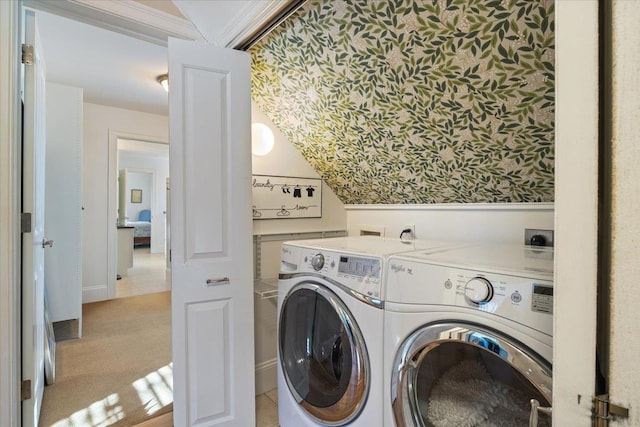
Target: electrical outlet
537	237
411	235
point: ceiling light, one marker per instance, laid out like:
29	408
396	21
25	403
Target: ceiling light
163	79
262	139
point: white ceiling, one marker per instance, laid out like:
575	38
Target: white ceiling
119	70
113	69
164	5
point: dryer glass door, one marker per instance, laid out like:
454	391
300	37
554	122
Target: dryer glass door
322	354
465	375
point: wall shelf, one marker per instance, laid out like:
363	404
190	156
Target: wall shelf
266	288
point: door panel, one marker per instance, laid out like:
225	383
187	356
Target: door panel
33	169
208	353
205	215
211	247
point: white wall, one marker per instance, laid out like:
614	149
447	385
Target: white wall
283	160
140	181
99	121
159	165
495	222
286	160
625	200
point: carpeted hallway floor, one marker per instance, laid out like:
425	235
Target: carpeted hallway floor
119	373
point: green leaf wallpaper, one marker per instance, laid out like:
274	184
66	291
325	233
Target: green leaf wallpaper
433	101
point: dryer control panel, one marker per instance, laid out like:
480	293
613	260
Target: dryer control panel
362	274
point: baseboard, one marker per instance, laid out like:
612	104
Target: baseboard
94	294
266	376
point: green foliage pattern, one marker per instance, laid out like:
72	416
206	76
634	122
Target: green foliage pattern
424	101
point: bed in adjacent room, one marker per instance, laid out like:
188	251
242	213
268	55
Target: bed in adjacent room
141	228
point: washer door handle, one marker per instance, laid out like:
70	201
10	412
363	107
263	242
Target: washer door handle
535	408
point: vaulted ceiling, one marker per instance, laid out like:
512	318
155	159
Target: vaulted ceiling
401	101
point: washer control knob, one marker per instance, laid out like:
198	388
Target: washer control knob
478	290
317	262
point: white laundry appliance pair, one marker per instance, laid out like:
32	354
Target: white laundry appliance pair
377	332
468	337
330	329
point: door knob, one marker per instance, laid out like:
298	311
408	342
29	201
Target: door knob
46	243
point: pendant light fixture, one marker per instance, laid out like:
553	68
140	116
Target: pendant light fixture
262	139
163	79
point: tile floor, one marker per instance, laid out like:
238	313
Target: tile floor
148	275
267	409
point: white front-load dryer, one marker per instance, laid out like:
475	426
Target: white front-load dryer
330	342
468	337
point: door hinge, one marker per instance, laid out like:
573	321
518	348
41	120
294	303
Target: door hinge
25	390
25	222
169	255
27	54
605	411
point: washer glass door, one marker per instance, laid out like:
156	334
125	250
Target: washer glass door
458	374
322	354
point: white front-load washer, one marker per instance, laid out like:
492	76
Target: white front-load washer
468	337
330	343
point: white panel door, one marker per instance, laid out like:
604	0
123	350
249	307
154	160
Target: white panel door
63	188
211	250
33	164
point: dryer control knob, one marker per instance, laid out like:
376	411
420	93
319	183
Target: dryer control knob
317	262
478	290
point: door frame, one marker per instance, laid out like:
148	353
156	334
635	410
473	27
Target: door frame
576	210
112	206
10	186
10	201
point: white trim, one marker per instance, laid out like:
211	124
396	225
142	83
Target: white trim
112	217
623	155
95	293
252	16
266	376
123	16
10	189
456	207
576	215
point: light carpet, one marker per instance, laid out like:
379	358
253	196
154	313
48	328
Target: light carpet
119	373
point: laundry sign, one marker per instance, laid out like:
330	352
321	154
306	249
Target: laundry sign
282	197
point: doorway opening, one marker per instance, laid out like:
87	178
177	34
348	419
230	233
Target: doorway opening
142	258
119	372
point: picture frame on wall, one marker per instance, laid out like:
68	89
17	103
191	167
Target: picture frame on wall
136	196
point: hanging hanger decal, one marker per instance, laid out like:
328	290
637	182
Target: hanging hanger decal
278	197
